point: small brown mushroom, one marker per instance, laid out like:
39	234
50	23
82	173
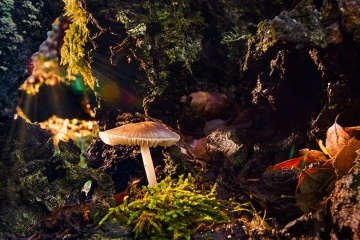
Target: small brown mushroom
144	134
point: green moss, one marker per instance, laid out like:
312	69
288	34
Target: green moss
8	26
175	162
74	50
97	212
173	209
33	185
9	35
166	34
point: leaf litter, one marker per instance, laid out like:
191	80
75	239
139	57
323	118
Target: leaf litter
319	170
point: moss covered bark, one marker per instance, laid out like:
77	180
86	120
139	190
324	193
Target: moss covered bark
23	26
34	180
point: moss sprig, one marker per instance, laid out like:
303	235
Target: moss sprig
173	209
73	51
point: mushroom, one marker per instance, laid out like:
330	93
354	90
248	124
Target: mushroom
144	134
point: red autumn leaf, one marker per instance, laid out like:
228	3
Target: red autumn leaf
336	137
346	156
289	164
309	157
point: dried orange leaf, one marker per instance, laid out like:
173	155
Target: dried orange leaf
345	159
336	137
350	129
315	156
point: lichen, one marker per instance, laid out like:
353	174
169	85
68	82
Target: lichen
231	143
74	51
172	209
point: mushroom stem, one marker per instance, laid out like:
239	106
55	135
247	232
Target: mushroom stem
148	164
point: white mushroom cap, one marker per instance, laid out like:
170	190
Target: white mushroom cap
149	134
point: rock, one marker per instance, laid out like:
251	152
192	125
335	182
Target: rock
112	230
345	206
274	191
315	224
339	219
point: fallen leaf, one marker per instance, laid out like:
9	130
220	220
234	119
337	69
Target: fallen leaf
299	162
346	156
212	125
86	188
315	156
197	148
336	137
350	130
245	118
310	156
313	180
313	185
322	147
64	214
212	105
120	197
